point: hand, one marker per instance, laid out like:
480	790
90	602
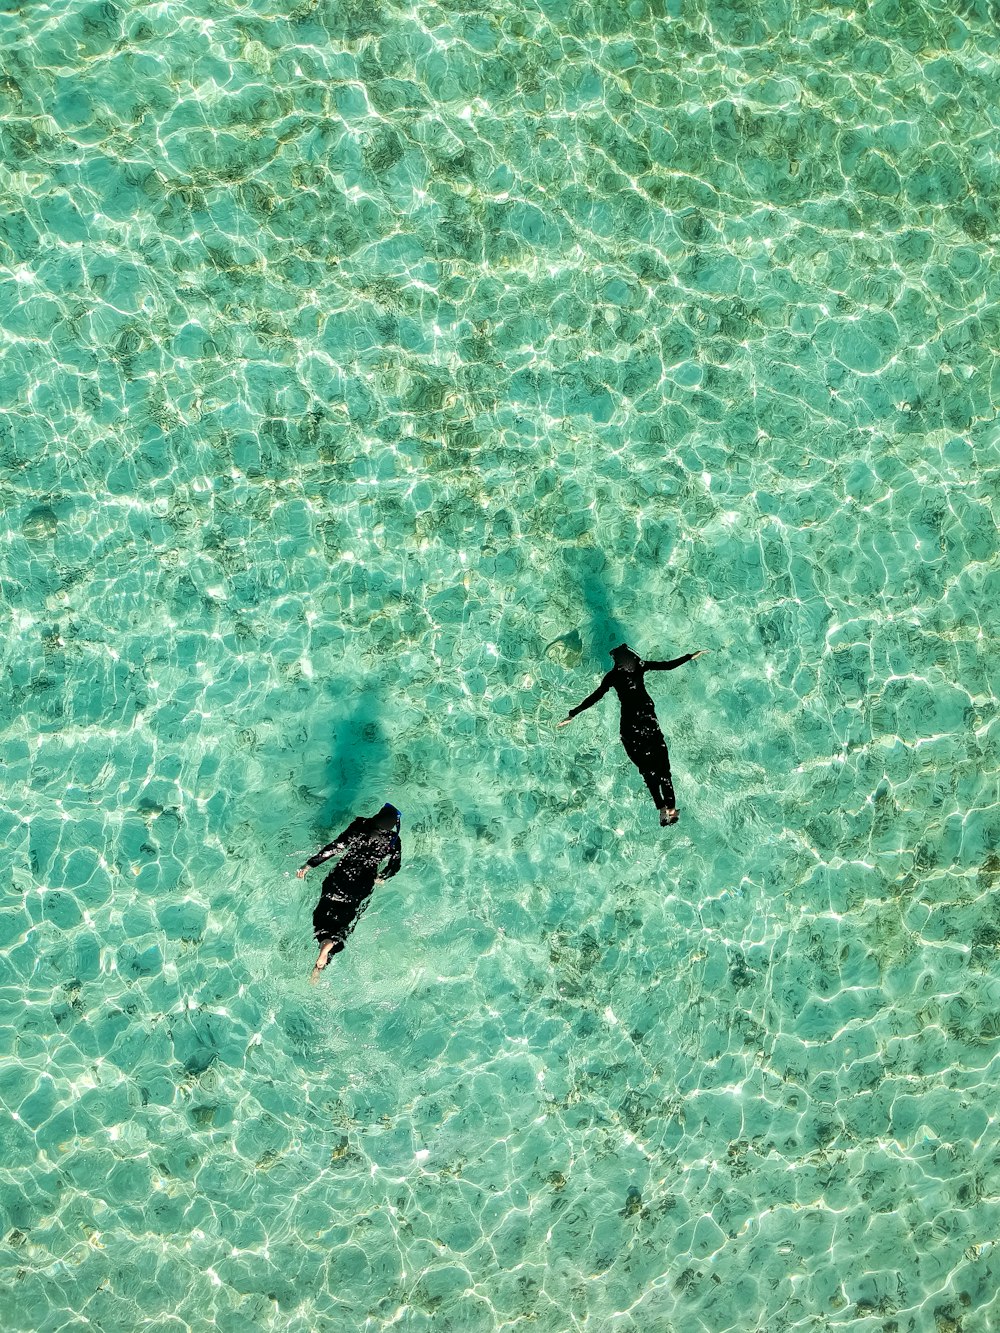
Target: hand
700	652
301	873
565	722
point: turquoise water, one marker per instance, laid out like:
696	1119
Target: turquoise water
366	372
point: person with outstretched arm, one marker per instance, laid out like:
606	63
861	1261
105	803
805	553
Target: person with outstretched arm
640	729
364	845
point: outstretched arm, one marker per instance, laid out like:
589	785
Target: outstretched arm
676	662
599	693
395	860
334	848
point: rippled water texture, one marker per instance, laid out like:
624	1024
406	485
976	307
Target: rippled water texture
366	372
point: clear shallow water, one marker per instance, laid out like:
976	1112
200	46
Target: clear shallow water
366	373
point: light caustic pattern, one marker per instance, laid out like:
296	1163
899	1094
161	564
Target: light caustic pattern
366	372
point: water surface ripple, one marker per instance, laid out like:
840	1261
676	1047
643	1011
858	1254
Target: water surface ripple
366	371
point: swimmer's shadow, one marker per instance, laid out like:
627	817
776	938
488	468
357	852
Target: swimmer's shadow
600	629
355	768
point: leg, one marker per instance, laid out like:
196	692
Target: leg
657	779
331	920
655	771
652	780
667	803
327	949
648	751
668	800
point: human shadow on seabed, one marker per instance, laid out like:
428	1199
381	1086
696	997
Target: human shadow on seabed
600	629
355	769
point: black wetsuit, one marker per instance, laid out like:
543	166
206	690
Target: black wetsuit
365	845
640	729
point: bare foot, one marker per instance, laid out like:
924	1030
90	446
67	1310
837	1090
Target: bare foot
322	960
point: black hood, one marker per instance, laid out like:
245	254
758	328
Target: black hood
624	657
386	819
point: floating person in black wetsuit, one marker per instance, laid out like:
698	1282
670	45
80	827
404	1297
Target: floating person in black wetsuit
366	843
640	730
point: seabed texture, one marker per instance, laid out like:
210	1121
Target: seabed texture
366	371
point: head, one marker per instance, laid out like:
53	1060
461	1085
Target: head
386	820
625	658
